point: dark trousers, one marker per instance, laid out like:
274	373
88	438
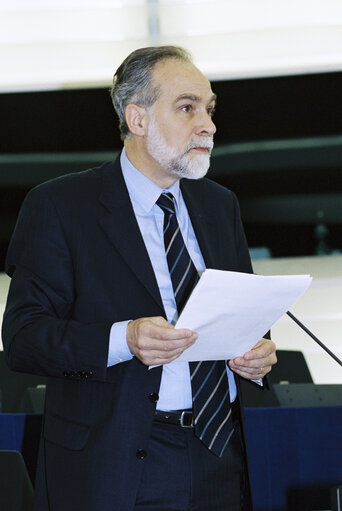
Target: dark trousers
181	474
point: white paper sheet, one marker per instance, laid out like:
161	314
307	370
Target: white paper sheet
232	311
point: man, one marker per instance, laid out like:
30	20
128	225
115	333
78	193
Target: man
93	299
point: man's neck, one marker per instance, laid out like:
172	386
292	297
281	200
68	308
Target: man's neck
139	157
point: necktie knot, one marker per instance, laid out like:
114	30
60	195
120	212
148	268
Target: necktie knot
166	203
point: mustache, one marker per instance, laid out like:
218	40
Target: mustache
205	142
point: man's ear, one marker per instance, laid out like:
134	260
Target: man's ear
136	119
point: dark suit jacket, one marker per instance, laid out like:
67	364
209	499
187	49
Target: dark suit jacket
78	263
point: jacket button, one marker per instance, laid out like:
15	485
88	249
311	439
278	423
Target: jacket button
66	374
141	454
153	397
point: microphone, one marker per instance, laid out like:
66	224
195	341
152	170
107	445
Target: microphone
314	337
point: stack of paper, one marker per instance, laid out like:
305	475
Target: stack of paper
232	311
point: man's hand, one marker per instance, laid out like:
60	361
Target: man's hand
257	362
155	341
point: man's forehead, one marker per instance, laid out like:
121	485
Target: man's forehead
182	80
195	98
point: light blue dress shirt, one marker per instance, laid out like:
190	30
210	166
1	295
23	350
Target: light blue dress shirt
175	387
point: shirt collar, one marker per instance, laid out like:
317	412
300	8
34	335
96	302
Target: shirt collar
142	190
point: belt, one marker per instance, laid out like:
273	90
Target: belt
183	418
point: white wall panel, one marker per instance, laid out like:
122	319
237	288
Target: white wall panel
249	38
320	309
56	44
224	16
61	44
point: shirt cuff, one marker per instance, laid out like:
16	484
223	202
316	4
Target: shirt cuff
259	381
118	348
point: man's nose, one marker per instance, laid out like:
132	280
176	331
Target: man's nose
206	125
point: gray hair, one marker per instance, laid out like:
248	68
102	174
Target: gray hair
132	82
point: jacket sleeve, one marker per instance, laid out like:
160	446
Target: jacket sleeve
39	336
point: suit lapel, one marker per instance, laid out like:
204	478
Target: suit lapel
203	221
121	227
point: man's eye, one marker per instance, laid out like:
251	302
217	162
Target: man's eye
187	108
211	111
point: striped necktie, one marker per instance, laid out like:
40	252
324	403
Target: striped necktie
209	382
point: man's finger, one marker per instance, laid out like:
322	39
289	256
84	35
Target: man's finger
159	328
263	349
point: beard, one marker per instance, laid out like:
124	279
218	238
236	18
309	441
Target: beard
179	164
